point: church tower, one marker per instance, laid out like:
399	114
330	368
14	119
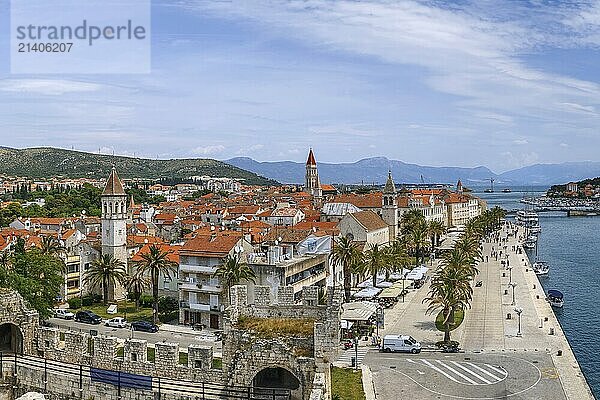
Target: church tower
389	206
312	185
114	224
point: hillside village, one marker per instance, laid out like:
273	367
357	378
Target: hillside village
284	233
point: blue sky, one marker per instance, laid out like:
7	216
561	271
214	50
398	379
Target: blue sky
496	83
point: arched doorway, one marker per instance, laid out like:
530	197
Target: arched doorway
279	379
11	338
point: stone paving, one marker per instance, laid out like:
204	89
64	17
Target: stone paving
487	328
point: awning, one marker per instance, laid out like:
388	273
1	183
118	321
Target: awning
358	311
367	293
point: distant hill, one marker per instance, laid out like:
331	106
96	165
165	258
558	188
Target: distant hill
46	162
375	169
368	170
552	174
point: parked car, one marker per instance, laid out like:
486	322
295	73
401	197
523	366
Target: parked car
63	313
88	317
116	322
144	326
400	343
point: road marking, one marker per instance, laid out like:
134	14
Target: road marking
486	372
421	373
500	370
466	378
481	378
439	370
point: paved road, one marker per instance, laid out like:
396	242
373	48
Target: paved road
431	375
184	339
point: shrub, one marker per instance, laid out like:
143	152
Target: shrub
167	305
90	299
74	303
146	300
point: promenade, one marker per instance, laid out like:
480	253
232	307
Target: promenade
490	335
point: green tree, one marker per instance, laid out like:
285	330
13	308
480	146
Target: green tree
38	278
436	229
375	260
135	284
105	272
231	272
51	246
154	263
346	255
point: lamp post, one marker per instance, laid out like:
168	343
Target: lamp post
356	352
510	274
513	284
519	310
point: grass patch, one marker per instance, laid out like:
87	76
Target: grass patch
151	353
217	363
346	384
183	358
459	316
125	309
277	327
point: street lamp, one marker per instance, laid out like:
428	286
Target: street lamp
356	352
513	284
510	274
519	310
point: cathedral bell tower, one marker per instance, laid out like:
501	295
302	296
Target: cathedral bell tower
312	182
114	224
389	206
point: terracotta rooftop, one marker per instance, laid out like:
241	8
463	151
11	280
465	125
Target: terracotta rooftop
369	220
217	244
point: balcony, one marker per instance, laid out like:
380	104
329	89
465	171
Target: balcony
200	287
200	306
197	269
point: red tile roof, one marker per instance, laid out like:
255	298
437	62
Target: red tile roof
218	244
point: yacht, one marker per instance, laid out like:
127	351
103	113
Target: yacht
555	298
541	268
529	219
529	244
506	190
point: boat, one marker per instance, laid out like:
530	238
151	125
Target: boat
541	268
529	219
529	244
555	298
506	190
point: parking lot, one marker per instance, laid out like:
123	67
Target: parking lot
433	375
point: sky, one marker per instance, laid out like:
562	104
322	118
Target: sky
466	83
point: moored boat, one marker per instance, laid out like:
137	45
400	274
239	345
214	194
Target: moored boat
541	268
555	298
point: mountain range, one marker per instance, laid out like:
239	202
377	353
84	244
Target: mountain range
44	162
374	170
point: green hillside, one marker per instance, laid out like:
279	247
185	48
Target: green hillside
47	162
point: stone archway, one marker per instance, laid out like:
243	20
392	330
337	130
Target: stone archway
277	378
11	338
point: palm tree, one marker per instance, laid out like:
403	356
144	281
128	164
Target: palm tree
154	263
51	246
436	230
448	299
418	240
410	219
104	273
348	256
136	283
232	271
374	261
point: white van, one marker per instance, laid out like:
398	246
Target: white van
400	343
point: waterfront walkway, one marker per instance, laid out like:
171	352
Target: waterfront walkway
489	332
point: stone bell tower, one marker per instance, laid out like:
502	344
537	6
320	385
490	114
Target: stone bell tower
114	224
389	206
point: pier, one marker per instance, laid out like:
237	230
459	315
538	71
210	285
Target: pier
572	207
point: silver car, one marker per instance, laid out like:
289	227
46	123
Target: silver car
117	322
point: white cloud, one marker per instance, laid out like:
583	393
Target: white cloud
521	141
250	149
208	150
54	87
563	145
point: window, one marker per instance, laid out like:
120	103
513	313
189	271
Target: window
133	356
